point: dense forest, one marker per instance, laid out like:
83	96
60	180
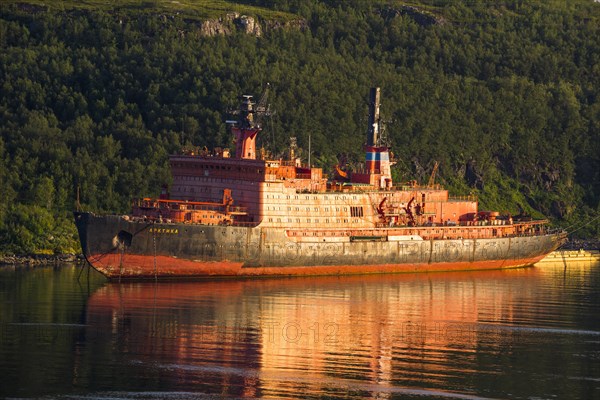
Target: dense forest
504	95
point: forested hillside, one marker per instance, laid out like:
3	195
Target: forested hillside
505	95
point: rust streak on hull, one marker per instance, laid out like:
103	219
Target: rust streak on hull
140	267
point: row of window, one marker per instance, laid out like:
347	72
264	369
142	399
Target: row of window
307	197
316	220
201	189
206	179
214	180
219	167
321	233
355	211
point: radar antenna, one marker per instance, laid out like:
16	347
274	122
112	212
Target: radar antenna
250	114
248	124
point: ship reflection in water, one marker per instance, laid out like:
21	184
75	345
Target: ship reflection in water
502	334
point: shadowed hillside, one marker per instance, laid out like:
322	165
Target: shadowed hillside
95	95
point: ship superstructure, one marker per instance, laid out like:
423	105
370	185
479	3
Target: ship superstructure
246	214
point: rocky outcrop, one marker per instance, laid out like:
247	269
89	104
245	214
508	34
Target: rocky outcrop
248	25
214	27
234	22
420	16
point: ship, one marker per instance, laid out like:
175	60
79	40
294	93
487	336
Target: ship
247	214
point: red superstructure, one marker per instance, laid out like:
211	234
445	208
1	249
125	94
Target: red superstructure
287	193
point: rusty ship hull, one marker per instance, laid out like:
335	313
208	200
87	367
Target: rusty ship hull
249	214
160	251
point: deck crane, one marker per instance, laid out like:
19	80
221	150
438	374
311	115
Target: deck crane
433	172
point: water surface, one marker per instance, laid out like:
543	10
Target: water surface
524	333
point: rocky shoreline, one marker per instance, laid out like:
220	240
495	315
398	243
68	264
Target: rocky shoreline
581	244
39	259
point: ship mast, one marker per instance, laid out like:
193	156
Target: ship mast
377	157
374	120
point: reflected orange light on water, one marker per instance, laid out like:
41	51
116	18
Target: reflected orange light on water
279	337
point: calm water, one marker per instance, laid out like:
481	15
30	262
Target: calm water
527	333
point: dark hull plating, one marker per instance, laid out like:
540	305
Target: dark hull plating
126	249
